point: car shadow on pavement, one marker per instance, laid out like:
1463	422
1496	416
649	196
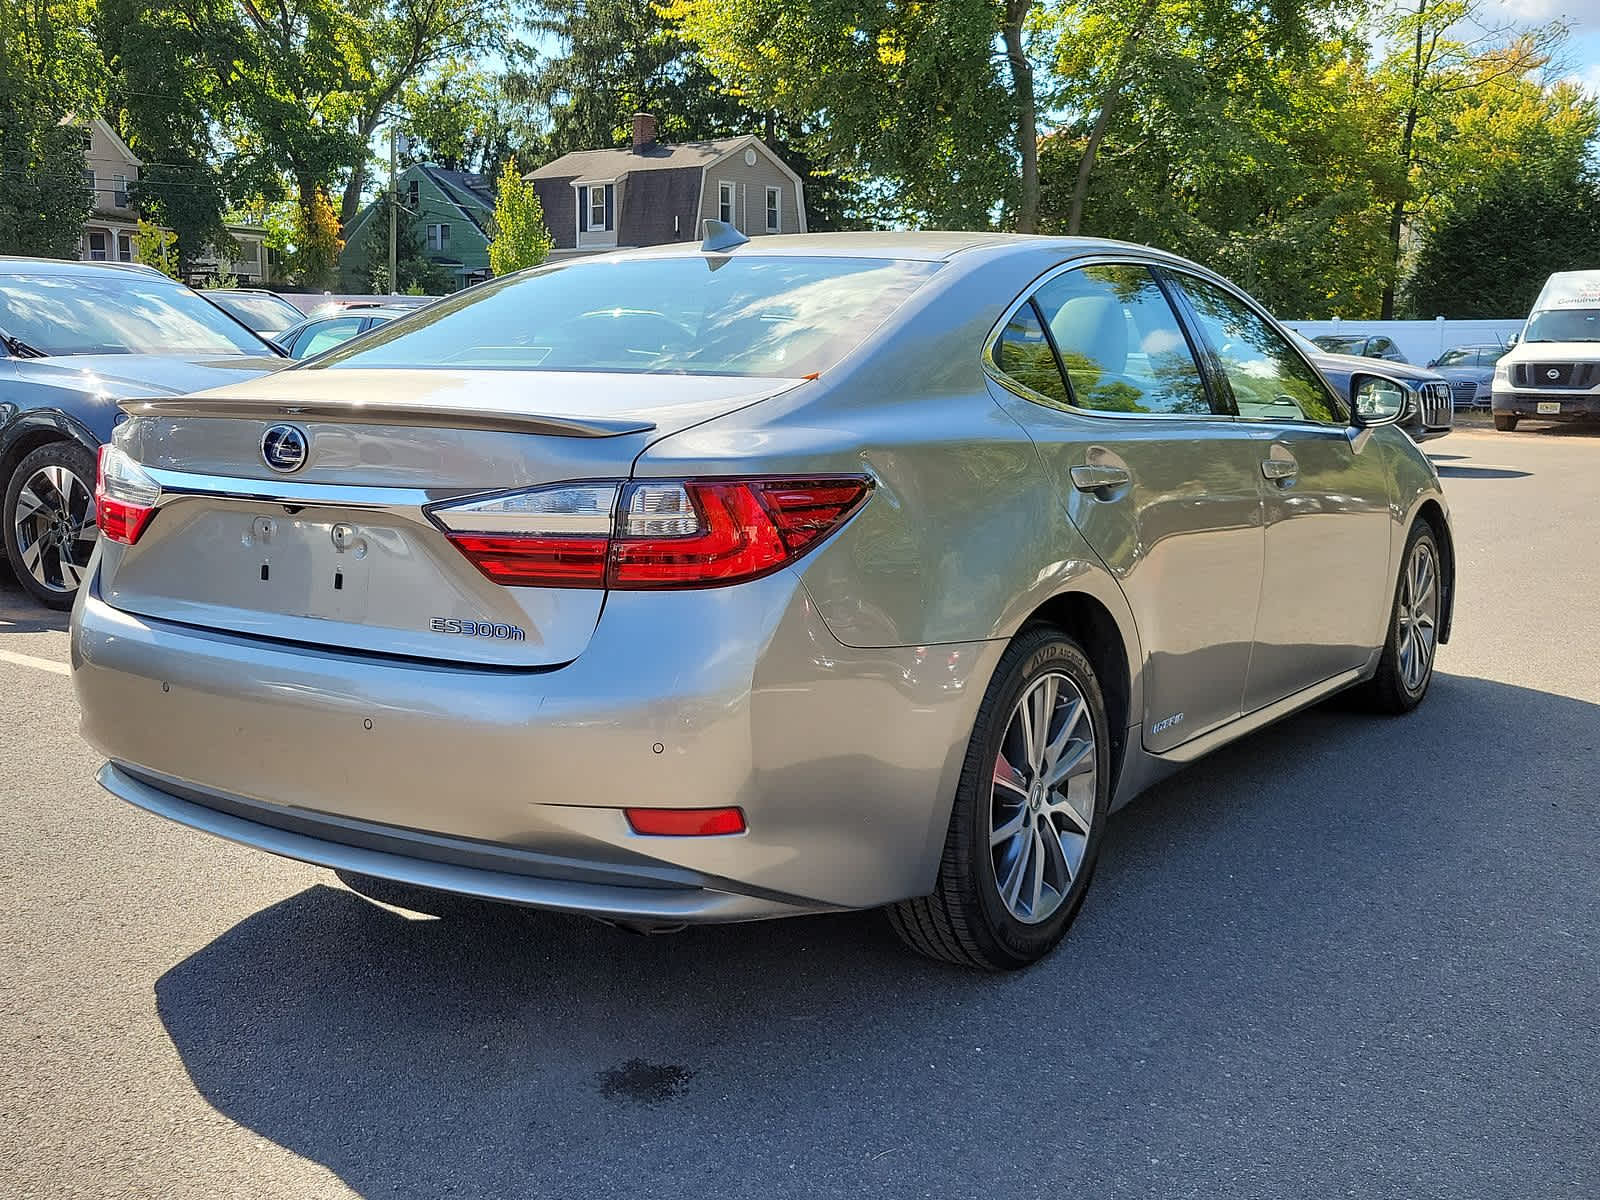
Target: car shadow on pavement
21	613
1347	955
1467	471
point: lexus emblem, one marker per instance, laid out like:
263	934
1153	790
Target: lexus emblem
283	448
1552	373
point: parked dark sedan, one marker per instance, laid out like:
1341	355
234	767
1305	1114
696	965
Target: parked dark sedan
1429	412
1360	345
75	338
1470	370
326	330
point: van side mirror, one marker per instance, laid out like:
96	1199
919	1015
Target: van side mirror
1376	400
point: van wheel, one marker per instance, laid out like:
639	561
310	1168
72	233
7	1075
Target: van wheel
1505	422
48	514
1028	815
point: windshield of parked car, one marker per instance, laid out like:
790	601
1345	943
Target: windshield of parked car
1333	344
1564	325
264	313
116	312
699	315
1469	356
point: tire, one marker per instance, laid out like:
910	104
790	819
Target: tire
968	919
1397	687
1505	422
48	519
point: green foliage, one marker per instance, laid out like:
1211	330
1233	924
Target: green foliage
521	238
458	118
317	244
1489	255
911	97
49	72
156	247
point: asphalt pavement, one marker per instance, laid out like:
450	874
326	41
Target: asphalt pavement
1344	957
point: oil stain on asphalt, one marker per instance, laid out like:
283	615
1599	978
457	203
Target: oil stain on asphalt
644	1083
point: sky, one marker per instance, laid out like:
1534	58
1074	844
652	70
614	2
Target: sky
1582	18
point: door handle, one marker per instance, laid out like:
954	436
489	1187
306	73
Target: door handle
1279	469
1100	478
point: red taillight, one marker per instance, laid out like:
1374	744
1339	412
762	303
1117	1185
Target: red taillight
686	822
650	534
124	496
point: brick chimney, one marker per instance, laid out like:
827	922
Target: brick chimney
644	132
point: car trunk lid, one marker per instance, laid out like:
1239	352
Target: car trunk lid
340	552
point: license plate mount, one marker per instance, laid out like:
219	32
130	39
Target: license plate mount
1549	407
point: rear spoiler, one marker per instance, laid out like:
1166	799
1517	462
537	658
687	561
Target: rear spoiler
391	413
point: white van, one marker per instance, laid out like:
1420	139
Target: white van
1553	372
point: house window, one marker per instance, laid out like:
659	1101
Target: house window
119	191
124	248
438	237
725	202
97	245
774	210
88	182
88	140
597	208
411	195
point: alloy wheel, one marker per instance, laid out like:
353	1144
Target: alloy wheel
55	528
1417	616
1042	802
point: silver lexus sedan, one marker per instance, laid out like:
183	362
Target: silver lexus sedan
727	581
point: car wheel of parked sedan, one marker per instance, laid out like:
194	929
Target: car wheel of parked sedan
1406	667
49	521
1028	813
1505	422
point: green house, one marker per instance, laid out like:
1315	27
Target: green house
449	215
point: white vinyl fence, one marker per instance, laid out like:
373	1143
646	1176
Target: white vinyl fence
1420	341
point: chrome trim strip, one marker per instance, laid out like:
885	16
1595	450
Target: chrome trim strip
280	490
597	900
381	413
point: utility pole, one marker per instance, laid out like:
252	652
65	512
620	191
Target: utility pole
394	213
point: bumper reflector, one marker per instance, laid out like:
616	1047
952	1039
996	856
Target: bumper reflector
685	822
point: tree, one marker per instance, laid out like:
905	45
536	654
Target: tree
456	118
50	73
1432	75
521	238
909	100
156	247
364	265
317	244
1489	255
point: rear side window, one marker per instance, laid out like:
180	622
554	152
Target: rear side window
1024	354
1121	343
1269	379
329	334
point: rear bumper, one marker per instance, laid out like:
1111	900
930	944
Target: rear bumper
511	784
1575	406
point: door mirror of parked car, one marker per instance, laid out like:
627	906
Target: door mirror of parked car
1376	400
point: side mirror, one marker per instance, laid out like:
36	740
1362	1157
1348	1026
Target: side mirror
1376	400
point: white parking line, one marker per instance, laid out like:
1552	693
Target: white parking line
40	664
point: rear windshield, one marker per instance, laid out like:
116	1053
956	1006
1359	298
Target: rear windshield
700	315
264	314
1564	325
116	312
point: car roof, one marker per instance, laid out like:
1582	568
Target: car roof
931	245
11	264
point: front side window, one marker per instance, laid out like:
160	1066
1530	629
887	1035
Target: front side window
1120	342
774	210
725	203
777	316
118	313
1023	353
1269	379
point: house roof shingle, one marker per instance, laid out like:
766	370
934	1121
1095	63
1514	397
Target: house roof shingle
610	164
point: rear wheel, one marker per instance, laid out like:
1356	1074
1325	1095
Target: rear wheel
1505	422
1028	814
1406	668
49	521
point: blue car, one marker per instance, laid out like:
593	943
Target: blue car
75	338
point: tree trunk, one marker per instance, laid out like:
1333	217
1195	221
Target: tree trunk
1102	120
1397	212
1027	117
